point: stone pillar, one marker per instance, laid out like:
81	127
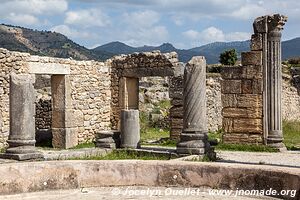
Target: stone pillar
274	76
193	139
130	129
63	128
21	138
269	28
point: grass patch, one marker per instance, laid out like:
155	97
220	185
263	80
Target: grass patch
215	135
127	155
84	145
291	134
245	147
150	133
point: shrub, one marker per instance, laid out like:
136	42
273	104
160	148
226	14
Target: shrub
228	57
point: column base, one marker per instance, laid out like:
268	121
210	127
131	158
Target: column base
22	153
195	143
276	143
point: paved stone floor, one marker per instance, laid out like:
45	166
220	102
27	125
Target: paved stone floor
114	193
288	158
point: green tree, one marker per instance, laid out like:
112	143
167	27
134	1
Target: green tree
228	57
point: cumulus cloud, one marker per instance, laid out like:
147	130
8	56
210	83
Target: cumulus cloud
24	19
145	18
87	18
213	34
143	27
153	36
27	12
70	32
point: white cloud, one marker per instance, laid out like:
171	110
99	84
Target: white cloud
35	7
87	18
153	36
249	11
145	18
22	19
237	36
27	12
70	32
213	34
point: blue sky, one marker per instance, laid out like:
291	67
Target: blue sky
184	23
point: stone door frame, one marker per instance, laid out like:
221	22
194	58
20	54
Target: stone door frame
63	129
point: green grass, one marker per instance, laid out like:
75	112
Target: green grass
126	155
291	134
84	145
150	133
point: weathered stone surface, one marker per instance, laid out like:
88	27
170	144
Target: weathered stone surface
21	138
177	123
130	129
176	112
231	86
251	112
249	100
251	58
247	87
193	139
227	125
242	138
256	43
48	68
64	137
241	125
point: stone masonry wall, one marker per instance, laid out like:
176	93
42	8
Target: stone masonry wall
90	91
136	66
242	100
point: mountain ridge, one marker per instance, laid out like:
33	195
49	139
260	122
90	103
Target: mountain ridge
47	43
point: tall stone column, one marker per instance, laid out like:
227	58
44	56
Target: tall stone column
193	139
130	129
21	138
269	28
274	76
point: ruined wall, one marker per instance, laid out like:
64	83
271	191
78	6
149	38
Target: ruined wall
136	66
90	93
242	100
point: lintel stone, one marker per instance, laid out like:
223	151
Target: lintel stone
48	68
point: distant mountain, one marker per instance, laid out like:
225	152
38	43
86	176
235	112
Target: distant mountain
291	48
54	44
45	43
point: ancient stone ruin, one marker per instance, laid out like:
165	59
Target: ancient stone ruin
79	100
251	93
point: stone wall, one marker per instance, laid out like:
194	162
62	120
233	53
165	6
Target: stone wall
242	100
135	66
90	93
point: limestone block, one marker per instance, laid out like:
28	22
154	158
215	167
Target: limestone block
176	111
256	42
48	68
147	71
177	123
227	125
242	138
251	58
247	86
229	100
247	125
175	133
257	86
248	100
233	72
63	118
253	72
242	112
64	137
231	86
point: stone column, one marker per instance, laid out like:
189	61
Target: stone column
274	76
21	138
193	139
130	129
